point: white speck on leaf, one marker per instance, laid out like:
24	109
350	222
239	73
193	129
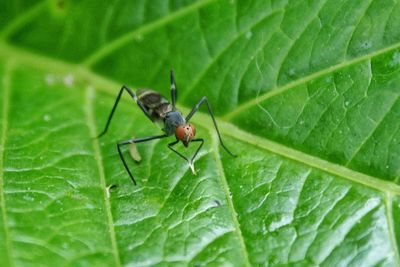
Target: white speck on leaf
46	117
366	45
291	72
191	165
264	229
50	79
28	198
248	34
68	80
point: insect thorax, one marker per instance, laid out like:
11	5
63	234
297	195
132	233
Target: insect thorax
172	120
161	110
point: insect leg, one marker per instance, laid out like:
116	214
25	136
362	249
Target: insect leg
174	93
198	149
133	95
131	141
170	146
196	107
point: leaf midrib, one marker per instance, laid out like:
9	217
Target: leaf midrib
227	192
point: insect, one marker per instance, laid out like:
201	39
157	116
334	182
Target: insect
158	109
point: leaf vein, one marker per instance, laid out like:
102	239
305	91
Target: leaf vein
310	160
294	84
106	85
296	38
392	233
363	142
214	59
126	38
358	23
4	128
227	192
22	20
207	245
96	148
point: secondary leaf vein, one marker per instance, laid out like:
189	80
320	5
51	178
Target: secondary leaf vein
292	85
373	130
392	233
96	148
4	128
126	38
22	20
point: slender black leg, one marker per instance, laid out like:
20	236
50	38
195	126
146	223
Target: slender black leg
174	93
133	95
170	146
196	107
198	149
132	141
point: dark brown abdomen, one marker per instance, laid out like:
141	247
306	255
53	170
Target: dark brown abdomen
157	105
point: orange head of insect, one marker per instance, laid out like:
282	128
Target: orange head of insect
185	133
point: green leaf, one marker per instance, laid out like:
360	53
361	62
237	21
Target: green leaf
305	92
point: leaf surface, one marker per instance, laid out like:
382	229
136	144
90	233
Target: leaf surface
306	93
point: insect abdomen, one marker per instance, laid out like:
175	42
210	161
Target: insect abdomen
157	105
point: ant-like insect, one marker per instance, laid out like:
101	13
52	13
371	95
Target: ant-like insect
158	109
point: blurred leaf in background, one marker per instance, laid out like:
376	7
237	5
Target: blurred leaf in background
306	93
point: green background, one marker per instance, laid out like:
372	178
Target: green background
305	92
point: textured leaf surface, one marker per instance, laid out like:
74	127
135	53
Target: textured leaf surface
306	93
